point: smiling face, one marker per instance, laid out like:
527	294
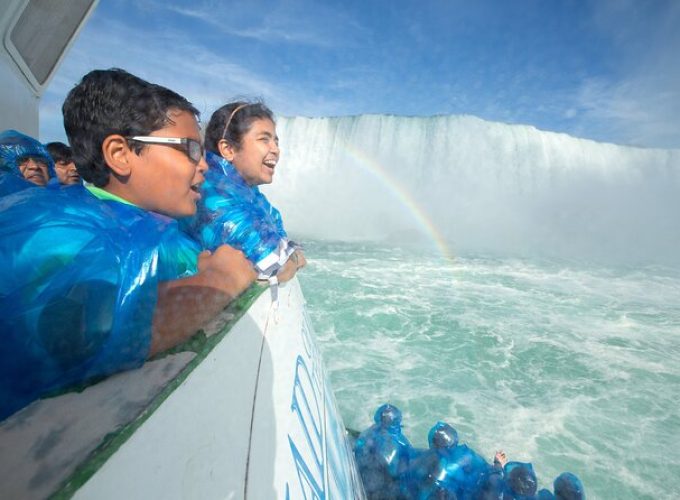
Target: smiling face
258	153
34	170
66	172
161	177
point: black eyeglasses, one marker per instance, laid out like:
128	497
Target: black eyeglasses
192	148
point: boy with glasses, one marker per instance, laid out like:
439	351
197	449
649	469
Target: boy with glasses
107	280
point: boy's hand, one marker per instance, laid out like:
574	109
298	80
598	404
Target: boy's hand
187	304
228	269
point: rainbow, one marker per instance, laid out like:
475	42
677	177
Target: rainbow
422	218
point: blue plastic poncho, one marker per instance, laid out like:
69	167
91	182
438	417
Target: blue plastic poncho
520	481
545	494
14	146
382	453
426	476
568	486
446	469
10	183
177	252
490	485
78	289
465	469
239	215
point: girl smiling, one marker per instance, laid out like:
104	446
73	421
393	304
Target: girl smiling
243	150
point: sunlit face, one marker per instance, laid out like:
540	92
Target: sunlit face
258	154
34	170
66	172
164	179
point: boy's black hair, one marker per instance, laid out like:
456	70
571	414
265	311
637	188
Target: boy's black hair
59	152
113	101
232	121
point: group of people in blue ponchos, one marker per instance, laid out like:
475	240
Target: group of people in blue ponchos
49	165
391	468
128	242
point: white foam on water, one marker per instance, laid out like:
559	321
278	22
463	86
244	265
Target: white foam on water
569	367
556	338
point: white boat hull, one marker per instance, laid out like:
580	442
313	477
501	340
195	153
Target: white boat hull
251	418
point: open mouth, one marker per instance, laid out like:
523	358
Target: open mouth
269	167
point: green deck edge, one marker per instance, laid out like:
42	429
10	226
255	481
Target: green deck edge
201	345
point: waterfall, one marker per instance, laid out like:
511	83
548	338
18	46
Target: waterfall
480	186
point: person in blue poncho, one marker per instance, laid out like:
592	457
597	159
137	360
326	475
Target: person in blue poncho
508	481
242	154
25	158
520	481
97	280
382	454
567	486
427	475
447	469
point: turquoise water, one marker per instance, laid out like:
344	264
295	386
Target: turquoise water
568	366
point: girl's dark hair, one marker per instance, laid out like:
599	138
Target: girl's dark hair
113	101
232	121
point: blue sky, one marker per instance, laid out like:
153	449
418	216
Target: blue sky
607	70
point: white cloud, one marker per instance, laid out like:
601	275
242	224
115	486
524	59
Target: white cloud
206	78
199	52
640	102
641	110
172	55
306	23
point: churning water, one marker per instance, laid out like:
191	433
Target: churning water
553	334
569	367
